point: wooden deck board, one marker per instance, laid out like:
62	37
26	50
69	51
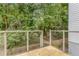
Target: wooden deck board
46	51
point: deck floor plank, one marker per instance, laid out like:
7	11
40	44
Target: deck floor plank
46	51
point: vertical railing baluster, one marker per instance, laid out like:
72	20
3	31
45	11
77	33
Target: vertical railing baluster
27	41
41	39
5	43
63	40
50	38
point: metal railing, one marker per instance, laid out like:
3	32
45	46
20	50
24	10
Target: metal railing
63	37
27	36
21	31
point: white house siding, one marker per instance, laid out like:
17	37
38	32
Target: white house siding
74	26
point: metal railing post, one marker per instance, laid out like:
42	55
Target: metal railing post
41	39
27	41
5	43
63	40
50	38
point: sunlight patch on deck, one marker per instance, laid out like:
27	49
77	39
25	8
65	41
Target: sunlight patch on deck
46	51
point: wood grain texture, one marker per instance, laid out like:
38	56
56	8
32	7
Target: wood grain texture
46	51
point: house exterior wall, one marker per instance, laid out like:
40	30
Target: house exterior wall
74	26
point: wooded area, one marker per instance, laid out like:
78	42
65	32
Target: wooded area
31	16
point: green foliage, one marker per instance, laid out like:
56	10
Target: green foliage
16	39
32	17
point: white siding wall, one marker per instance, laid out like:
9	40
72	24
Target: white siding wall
74	22
74	26
74	17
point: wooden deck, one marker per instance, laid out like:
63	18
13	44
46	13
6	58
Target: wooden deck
46	51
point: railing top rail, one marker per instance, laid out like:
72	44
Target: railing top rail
64	31
36	31
21	31
60	30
